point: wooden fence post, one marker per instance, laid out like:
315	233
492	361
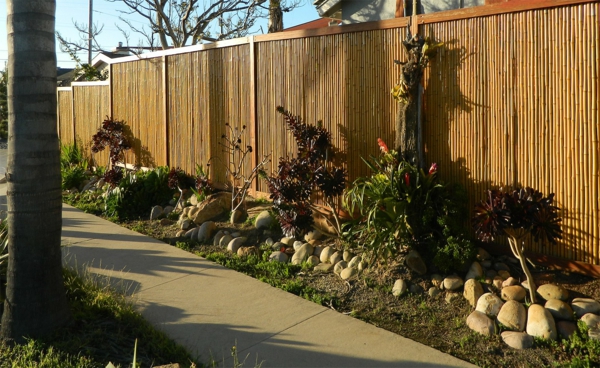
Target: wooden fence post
165	86
253	107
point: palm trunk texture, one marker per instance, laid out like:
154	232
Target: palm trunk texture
36	302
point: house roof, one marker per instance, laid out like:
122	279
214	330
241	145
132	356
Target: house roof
317	23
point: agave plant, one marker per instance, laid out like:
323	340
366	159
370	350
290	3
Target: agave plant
516	214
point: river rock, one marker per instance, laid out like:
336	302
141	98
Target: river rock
277	246
347	255
475	271
205	231
348	273
517	340
192	233
516	292
339	267
354	262
225	240
324	267
288	241
566	328
335	257
185	224
278	256
313	260
235	244
481	323
483	254
513	315
583	306
550	291
167	210
217	237
489	304
313	235
156	212
591	320
540	322
326	253
180	233
497	282
414	261
317	251
264	220
559	309
434	292
247	251
472	291
451	297
302	253
511	281
503	274
437	280
400	287
297	244
236	216
594	334
453	282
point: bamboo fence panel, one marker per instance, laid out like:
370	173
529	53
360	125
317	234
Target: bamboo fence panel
512	100
65	116
341	80
91	104
138	99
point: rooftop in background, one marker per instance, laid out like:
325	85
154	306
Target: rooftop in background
318	23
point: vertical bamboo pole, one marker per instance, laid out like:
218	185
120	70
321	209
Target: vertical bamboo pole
254	128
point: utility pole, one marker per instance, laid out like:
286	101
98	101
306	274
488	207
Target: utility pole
90	33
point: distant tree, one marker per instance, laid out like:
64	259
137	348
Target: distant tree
36	302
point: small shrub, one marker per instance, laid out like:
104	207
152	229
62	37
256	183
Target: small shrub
112	135
516	214
400	206
73	166
309	173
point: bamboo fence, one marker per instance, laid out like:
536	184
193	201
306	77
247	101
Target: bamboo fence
511	99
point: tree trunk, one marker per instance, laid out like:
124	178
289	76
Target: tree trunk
407	127
275	16
36	302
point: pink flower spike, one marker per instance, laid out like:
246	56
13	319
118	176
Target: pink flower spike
382	146
407	179
433	168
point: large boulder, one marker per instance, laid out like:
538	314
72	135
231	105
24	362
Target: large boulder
264	220
475	271
517	340
212	207
583	306
516	292
559	309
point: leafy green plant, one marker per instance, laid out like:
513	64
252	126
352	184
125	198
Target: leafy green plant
310	172
400	206
137	192
518	213
73	166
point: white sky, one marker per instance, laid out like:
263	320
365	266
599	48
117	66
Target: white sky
107	13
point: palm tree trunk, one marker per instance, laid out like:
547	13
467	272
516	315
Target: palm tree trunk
35	303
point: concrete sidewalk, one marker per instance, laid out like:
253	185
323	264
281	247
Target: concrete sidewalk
208	308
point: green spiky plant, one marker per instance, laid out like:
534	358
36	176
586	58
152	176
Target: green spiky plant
517	214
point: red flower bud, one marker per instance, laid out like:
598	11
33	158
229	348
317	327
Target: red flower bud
382	146
433	168
407	179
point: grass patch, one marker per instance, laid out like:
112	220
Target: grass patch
103	329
